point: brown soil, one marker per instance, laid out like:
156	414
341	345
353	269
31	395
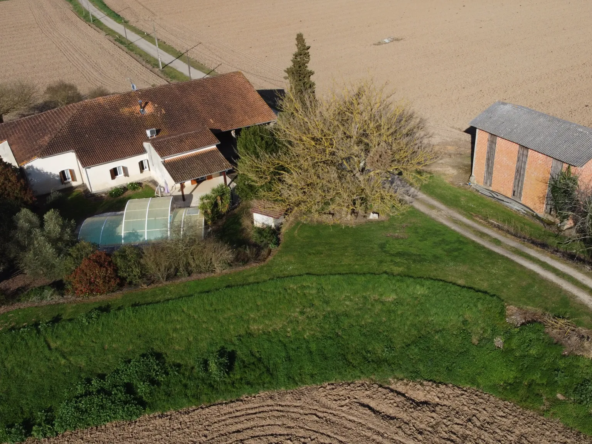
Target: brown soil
44	41
456	57
404	412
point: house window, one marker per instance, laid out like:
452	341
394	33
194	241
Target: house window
144	165
67	176
119	171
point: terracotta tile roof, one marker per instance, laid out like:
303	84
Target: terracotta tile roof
267	208
195	165
29	136
111	128
169	146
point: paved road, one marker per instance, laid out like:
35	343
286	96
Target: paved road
144	45
443	214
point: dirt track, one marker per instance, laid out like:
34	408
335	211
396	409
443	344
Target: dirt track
456	57
44	41
343	413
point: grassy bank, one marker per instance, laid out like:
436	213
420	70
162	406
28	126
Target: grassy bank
475	206
296	331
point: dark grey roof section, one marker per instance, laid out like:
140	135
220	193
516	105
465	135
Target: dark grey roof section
562	140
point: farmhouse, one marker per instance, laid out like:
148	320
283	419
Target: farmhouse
517	150
179	135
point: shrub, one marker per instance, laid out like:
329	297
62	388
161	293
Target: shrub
116	192
185	256
582	393
267	237
62	93
215	204
55	197
130	267
40	294
77	254
119	396
99	91
13	185
159	263
564	189
41	251
134	186
95	275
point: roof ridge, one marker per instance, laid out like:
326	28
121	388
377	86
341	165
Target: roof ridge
174	136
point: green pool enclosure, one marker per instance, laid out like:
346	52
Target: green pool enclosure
142	221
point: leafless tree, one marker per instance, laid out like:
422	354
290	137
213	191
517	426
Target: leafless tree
16	96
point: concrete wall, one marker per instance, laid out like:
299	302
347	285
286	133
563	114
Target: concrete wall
44	174
99	177
260	220
6	153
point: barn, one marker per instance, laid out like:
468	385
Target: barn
517	150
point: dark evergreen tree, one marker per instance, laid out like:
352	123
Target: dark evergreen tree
299	75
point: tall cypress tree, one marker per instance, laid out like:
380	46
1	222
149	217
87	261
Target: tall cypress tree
299	75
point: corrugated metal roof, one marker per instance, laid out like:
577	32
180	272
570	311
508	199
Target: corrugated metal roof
551	136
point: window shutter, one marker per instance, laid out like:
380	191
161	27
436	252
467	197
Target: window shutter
72	175
62	177
141	166
147	165
125	173
112	171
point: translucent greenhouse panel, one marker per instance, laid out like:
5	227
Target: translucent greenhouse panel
157	219
134	220
102	230
112	231
90	231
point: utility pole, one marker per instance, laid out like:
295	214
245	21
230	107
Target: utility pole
188	65
125	31
89	11
157	50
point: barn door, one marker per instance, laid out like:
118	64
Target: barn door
490	159
520	173
556	168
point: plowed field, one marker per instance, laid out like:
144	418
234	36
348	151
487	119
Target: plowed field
44	41
361	413
456	57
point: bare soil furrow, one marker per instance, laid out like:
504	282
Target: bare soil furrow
404	412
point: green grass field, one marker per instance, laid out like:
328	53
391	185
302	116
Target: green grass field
401	298
298	331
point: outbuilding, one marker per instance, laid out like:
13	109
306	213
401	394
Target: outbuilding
267	214
517	150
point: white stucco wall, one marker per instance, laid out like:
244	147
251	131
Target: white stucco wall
6	153
44	174
99	178
159	173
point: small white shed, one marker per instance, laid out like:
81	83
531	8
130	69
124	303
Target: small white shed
267	214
